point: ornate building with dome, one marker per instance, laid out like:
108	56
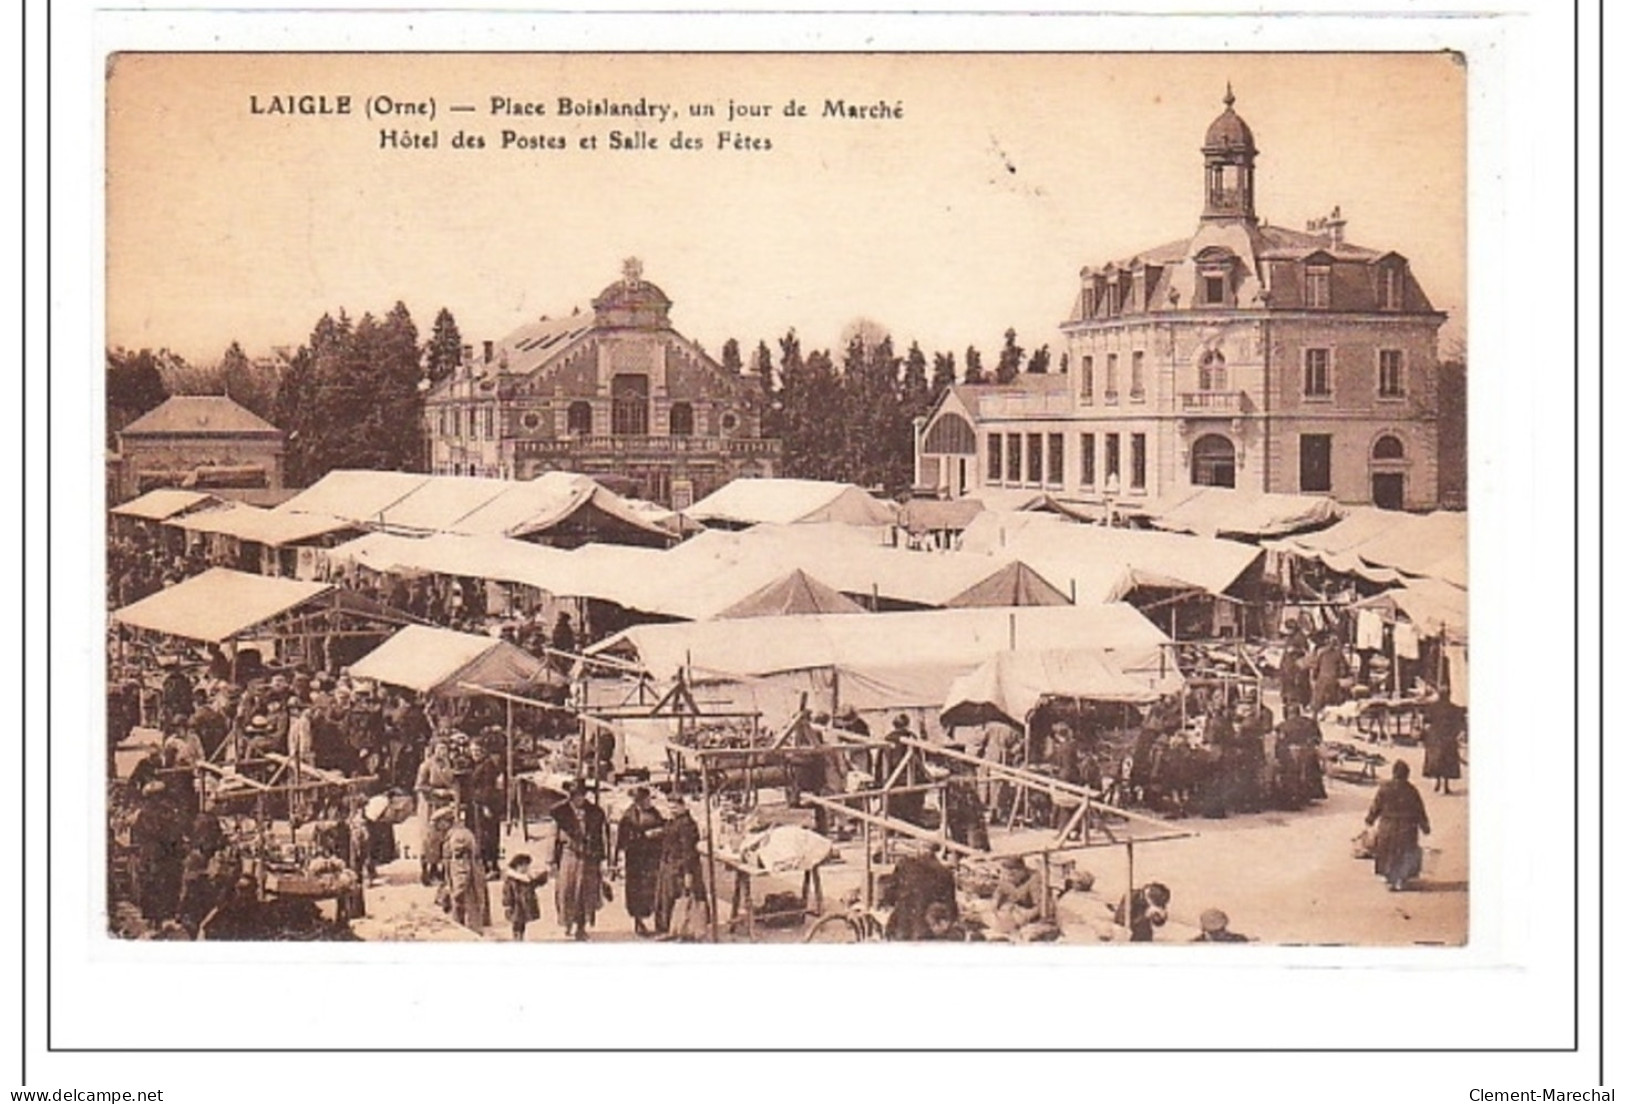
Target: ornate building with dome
617	394
1245	355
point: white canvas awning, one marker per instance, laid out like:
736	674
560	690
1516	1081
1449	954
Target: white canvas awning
218	605
791	501
1010	686
448	664
165	502
1224	511
1095	563
953	641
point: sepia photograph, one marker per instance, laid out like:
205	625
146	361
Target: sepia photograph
787	498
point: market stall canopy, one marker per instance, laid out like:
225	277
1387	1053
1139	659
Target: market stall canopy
538	505
446	663
791	501
1224	511
218	605
470	506
164	503
852	560
952	641
1010	686
1369	540
262	526
1095	563
354	495
795	594
1434	606
930	515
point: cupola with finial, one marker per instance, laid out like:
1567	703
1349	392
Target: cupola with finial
1228	153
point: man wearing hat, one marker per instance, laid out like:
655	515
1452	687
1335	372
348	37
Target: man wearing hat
905	806
579	848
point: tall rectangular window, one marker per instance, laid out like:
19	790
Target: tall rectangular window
1139	291
1012	458
1390	374
1114	456
1086	378
490	423
1315	463
1114	298
1213	291
1111	377
995	457
1136	375
1055	460
457	421
1035	457
1086	449
1317	287
1317	373
1136	461
1391	294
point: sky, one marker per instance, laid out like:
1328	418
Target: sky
970	213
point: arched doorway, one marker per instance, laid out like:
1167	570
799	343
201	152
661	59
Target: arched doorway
1213	461
1388	473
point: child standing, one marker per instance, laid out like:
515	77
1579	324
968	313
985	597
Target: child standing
519	894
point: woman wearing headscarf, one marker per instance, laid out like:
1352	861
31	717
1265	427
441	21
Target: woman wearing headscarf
638	839
1399	815
579	848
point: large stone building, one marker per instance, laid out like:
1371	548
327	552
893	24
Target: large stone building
207	442
1246	355
617	393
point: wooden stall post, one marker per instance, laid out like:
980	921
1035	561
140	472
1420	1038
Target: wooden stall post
512	782
710	844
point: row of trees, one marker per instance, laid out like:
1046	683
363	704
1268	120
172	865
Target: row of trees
854	421
352	395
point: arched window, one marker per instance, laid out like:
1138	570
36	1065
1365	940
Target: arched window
580	418
952	435
1213	461
1388	447
682	419
1211	374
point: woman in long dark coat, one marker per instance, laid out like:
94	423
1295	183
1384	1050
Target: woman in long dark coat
1399	815
579	849
638	840
1441	743
681	874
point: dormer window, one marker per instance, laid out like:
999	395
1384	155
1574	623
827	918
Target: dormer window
1114	298
1138	302
1215	268
1317	287
1391	288
1089	303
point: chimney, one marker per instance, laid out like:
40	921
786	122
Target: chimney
1330	227
489	351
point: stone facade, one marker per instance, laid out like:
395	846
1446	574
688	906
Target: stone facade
204	441
618	393
1246	355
